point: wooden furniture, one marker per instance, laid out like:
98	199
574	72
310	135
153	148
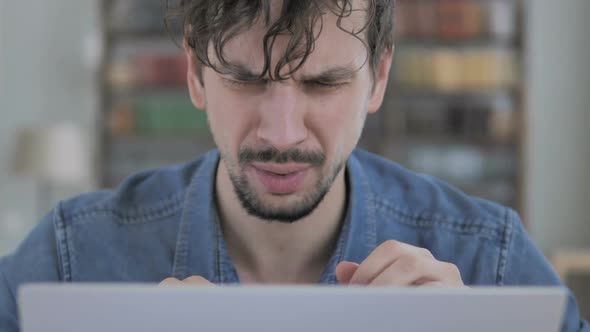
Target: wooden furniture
571	261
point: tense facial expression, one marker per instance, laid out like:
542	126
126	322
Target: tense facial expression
283	143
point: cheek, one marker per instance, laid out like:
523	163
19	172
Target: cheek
230	116
338	120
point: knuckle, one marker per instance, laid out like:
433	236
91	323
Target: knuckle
409	264
169	280
391	245
453	269
196	280
425	252
193	279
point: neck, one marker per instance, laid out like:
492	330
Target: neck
275	252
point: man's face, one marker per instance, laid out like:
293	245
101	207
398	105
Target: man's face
284	143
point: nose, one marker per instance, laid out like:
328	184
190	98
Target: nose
282	114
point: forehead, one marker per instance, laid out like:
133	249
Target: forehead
335	45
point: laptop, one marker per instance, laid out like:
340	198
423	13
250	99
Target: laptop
106	307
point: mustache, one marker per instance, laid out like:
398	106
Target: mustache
314	158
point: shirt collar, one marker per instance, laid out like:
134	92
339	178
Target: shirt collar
201	249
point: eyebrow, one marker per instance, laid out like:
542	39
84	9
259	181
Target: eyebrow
335	74
243	73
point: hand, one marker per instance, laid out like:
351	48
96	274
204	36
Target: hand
398	264
190	281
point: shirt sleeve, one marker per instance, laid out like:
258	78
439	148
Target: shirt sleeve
526	265
35	260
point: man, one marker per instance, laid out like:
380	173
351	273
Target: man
285	198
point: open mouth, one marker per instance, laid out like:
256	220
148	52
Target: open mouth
281	179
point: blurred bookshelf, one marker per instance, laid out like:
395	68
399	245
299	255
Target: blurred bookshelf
455	103
148	119
454	106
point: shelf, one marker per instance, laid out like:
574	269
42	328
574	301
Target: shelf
129	154
156	33
453	140
163	140
479	42
117	92
407	92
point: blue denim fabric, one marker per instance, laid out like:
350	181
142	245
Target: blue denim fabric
164	223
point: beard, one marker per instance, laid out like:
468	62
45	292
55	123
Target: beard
304	206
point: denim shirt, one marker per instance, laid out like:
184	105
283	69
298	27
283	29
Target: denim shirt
164	223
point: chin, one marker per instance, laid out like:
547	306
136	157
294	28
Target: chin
280	208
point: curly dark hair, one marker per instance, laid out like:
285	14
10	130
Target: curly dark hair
215	22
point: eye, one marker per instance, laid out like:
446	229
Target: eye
323	85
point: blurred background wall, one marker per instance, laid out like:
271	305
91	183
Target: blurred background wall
50	55
46	77
558	139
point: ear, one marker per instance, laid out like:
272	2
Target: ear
195	85
380	84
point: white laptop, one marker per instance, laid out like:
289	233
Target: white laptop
99	308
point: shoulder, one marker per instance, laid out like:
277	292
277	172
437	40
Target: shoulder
134	227
143	197
422	201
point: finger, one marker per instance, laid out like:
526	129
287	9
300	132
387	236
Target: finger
344	271
431	284
406	271
419	271
439	284
451	274
170	281
197	280
385	254
446	273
